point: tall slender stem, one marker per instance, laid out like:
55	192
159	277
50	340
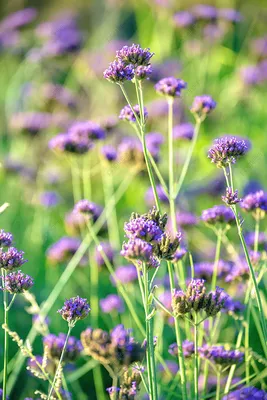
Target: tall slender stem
150	340
216	261
147	160
108	189
171	164
218	386
245	249
196	357
59	363
5	302
188	157
75	181
178	339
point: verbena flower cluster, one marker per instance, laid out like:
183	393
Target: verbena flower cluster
148	241
196	299
227	150
74	309
117	348
131	62
219	355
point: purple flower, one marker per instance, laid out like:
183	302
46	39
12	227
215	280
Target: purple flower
125	274
6	238
215	301
127	114
149	196
254	202
159	108
204	270
17	282
144	229
31	123
72	142
170	86
231	197
219	355
113	390
251	75
182	19
218	215
233	306
74	309
120	336
183	131
185	219
240	271
18	19
204	11
104	247
188	348
61	94
118	72
168	67
172	367
203	105
262	240
62	37
87	129
49	199
259	46
55	346
112	303
137	249
193	299
134	55
109	152
33	367
229	14
246	393
11	258
227	150
143	72
63	250
89	209
179	254
196	299
166	299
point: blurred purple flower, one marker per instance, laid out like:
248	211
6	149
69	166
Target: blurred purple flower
112	303
183	131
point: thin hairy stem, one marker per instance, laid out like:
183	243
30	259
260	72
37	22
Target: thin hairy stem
59	366
188	157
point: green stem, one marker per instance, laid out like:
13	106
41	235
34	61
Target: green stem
5	302
59	363
218	387
108	189
196	358
150	340
75	182
148	164
188	157
247	344
178	340
216	261
171	165
245	249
